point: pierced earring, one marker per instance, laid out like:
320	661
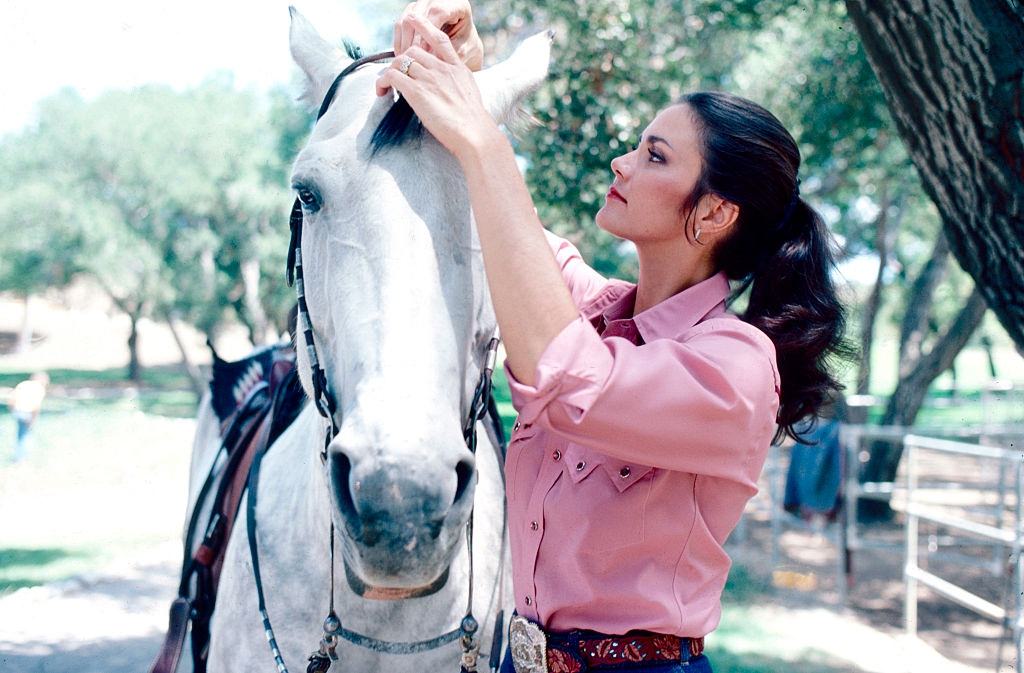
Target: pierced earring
696	235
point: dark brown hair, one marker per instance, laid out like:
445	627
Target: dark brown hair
779	249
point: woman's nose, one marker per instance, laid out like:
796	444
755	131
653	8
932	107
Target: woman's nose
620	165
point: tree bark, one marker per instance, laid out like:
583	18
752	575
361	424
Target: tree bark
255	317
914	327
25	333
195	376
134	366
953	75
867	329
906	400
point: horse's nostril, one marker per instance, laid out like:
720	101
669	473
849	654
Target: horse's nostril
464	475
341	467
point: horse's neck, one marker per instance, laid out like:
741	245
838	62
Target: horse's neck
294	535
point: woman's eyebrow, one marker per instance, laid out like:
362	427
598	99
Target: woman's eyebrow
659	139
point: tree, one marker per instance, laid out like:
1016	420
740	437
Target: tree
174	202
952	72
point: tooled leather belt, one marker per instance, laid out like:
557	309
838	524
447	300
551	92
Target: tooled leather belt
534	651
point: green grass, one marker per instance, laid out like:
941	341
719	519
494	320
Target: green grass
165	378
503	399
22	567
101	483
26	567
164	391
942	408
745	643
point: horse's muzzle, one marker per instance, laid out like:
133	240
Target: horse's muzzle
399	527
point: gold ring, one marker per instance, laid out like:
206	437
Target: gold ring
405	65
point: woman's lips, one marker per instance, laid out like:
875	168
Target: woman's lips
614	194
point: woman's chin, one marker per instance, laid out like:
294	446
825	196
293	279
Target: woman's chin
603	221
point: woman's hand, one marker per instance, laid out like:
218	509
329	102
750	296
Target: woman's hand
453	17
441	90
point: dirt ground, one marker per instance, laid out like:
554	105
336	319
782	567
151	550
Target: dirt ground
802	567
106	623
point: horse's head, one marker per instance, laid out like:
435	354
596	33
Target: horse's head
397	297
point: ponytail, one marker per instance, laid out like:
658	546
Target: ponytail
793	300
779	249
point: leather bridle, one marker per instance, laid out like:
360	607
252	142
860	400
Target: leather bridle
482	405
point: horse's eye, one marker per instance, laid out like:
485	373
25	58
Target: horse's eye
309	199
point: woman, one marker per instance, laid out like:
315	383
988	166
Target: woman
645	411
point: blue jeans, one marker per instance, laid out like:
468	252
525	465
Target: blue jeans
699	664
24	425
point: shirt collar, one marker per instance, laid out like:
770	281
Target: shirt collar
671	317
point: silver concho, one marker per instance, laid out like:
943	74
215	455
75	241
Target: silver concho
529	646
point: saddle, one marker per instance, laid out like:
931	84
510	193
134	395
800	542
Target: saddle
255	400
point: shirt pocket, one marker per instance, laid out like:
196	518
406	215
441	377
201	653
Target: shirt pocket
611	498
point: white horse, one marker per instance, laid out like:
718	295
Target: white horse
397	296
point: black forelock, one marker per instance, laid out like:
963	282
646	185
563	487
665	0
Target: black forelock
400	123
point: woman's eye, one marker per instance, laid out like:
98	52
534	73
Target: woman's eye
655	157
308	198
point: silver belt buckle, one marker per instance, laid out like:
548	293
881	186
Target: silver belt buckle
529	646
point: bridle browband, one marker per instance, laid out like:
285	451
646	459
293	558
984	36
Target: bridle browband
482	404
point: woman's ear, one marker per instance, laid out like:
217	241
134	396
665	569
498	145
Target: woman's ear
717	215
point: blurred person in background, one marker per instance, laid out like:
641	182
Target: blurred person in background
25	404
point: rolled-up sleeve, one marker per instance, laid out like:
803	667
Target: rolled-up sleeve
583	282
705	404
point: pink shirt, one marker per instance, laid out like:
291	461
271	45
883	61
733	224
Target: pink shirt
630	464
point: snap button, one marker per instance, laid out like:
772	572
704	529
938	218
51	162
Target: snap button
529	601
624	472
556	455
580	465
534	525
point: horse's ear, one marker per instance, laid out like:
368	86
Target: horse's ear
505	84
319	59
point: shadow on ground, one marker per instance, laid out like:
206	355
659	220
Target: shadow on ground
122	655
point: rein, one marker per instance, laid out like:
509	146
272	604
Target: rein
482	405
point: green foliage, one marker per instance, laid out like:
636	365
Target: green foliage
616	63
162	196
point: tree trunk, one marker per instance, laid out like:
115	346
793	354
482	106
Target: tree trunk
134	366
867	328
914	328
195	376
260	331
909	395
953	75
25	333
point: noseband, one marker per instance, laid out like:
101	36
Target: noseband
482	404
